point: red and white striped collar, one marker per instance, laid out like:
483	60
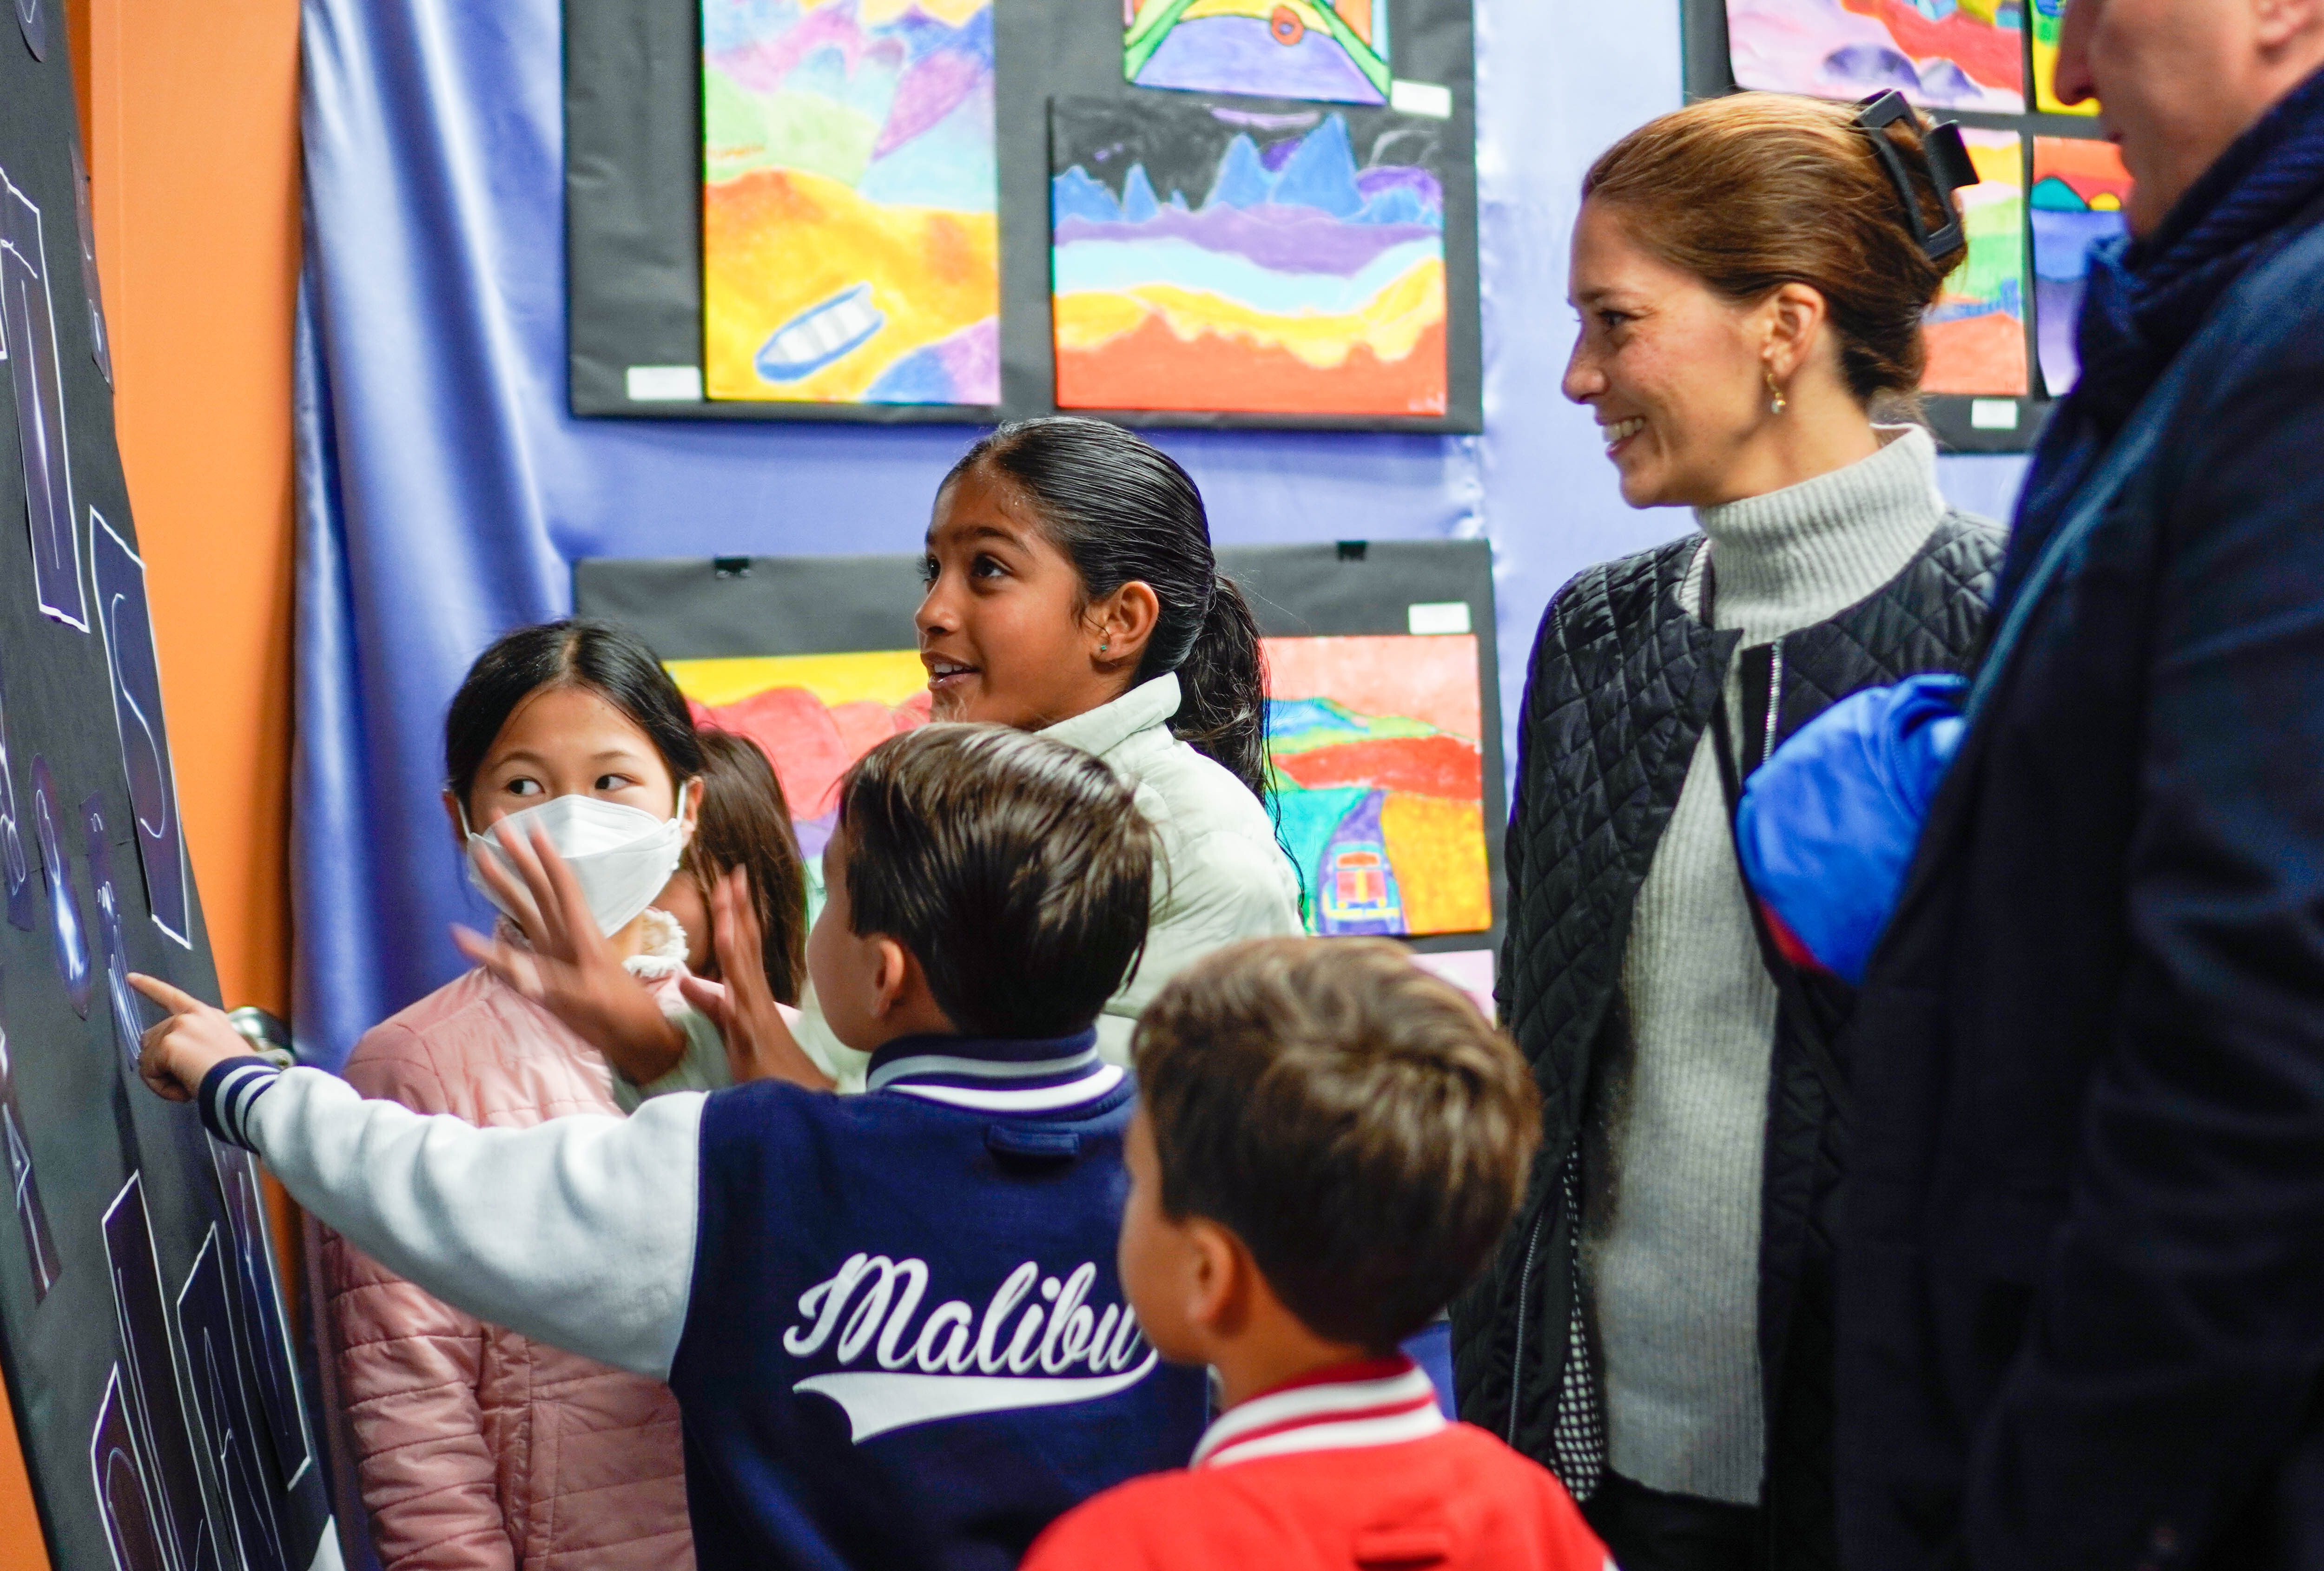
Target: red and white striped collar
1381	1401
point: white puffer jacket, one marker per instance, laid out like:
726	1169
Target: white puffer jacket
1220	875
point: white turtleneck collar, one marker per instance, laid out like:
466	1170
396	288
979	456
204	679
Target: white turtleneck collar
1796	556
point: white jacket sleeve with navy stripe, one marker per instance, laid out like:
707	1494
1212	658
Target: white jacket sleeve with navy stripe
579	1231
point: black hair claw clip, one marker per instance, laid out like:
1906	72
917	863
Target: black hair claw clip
1950	167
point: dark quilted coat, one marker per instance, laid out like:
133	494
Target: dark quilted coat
1623	683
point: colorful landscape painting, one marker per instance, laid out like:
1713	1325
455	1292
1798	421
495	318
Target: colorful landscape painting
2048	17
813	715
850	233
1332	51
1977	329
1380	781
2080	188
1380	785
1946	54
1207	258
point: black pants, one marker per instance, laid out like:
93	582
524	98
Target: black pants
1645	1530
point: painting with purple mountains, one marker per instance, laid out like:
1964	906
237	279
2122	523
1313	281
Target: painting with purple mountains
1210	257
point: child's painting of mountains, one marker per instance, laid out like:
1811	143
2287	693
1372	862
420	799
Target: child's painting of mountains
1210	258
1379	785
2079	188
813	715
1942	54
1379	780
1977	329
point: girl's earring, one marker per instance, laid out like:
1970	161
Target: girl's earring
1103	644
1776	402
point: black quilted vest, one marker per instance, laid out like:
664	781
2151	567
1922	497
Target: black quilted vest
1622	686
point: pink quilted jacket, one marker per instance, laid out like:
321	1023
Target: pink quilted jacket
481	1451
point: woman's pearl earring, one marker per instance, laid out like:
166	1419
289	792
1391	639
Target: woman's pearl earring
1776	402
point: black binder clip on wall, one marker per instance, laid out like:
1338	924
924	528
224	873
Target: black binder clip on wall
1950	167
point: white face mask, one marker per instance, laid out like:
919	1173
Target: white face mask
619	856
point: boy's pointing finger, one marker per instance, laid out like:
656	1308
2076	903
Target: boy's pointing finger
175	1000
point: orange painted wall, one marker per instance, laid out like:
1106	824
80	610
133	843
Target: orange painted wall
20	1544
193	165
190	111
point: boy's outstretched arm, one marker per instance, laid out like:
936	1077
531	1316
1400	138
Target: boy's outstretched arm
578	1232
758	1042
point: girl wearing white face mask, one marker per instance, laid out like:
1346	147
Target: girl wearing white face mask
479	1449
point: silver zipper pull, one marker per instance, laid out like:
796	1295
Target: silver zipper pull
1775	701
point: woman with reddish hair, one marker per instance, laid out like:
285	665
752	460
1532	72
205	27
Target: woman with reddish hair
1751	275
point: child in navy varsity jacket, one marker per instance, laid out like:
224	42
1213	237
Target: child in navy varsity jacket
1330	1144
892	1322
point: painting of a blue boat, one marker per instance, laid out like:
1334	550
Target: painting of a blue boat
820	334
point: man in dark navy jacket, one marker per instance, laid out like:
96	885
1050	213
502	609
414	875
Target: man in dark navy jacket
2083	1291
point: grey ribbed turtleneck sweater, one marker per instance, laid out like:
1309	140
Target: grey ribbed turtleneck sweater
1671	1247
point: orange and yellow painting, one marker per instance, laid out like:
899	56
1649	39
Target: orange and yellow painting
1378	788
2081	186
1379	780
1977	329
2049	19
813	715
850	229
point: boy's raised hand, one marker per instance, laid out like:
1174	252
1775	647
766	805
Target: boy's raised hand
569	971
194	1038
759	1041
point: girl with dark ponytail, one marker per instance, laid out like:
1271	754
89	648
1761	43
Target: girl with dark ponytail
1071	588
1122	512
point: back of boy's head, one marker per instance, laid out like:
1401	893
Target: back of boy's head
1351	1118
745	821
1015	869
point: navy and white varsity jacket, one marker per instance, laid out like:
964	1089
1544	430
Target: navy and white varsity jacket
892	1322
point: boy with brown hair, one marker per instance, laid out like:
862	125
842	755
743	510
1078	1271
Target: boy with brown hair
1329	1143
890	1321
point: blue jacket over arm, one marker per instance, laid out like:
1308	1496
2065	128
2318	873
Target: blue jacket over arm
2082	1298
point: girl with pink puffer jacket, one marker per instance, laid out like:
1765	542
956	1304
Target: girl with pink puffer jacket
480	1450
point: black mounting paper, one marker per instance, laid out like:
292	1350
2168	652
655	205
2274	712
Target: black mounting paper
76	734
32	21
149	1360
133	1526
634	170
112	951
23	1187
127	623
15	856
100	342
28	327
67	929
259	1331
221	1372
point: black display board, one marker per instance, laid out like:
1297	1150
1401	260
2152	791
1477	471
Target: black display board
1954	417
713	608
141	1331
633	204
